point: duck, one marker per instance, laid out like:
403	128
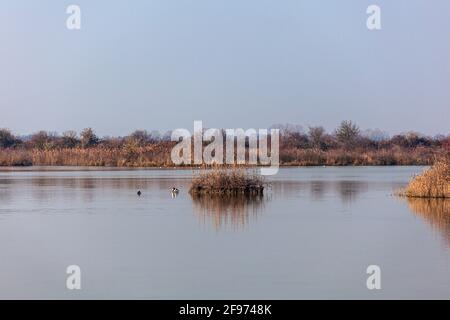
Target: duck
175	190
139	193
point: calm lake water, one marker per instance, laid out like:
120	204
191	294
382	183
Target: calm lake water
312	235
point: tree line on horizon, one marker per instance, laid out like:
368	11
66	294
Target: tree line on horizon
346	135
346	145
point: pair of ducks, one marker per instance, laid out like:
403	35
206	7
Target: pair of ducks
174	191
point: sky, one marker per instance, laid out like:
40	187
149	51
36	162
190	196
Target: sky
161	64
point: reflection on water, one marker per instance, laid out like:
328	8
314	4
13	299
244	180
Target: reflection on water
89	189
346	190
46	187
238	211
222	211
435	211
292	243
349	190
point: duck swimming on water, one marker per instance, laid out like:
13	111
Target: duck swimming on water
139	193
174	192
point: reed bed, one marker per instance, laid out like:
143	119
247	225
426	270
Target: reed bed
432	183
358	157
232	181
15	158
158	155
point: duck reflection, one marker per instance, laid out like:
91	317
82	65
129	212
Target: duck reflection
228	211
435	211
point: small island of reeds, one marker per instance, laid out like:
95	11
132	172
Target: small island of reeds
233	181
432	183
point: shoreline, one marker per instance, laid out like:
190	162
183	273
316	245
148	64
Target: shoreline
181	168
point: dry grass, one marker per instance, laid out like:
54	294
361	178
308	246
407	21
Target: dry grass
227	181
432	183
15	158
158	155
155	155
359	157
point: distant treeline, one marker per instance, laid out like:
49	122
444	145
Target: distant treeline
347	145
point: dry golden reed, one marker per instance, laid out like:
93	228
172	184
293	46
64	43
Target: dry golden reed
227	181
432	183
158	154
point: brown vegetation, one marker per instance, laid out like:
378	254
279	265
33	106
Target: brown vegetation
156	155
432	183
347	145
227	181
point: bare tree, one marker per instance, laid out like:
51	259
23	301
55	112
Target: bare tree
141	137
317	136
70	139
88	138
347	133
41	140
7	139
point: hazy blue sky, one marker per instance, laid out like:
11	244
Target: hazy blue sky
162	64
